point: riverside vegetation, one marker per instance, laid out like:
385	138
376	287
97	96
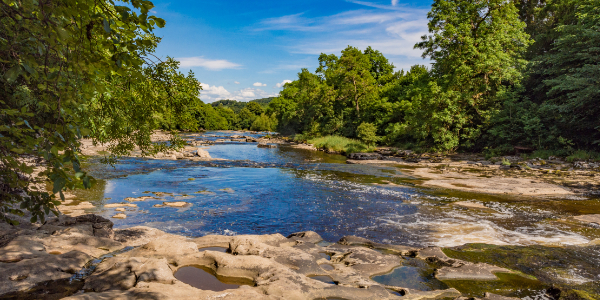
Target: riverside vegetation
505	74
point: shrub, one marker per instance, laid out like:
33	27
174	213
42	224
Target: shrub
367	132
340	144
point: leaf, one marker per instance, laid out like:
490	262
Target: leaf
29	69
33	219
59	184
86	182
62	33
106	25
12	74
160	22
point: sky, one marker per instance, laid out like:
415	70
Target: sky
245	50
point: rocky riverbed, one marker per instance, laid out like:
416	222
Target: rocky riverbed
84	258
217	220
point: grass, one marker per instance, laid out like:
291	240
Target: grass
340	144
583	155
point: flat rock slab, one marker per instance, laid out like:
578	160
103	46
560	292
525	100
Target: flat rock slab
472	205
470	271
588	218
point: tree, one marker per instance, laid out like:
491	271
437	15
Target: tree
571	73
62	61
350	75
477	47
367	133
254	108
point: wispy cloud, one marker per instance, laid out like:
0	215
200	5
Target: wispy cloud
236	82
211	64
259	84
392	29
211	93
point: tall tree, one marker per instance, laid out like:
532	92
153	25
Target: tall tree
60	59
476	46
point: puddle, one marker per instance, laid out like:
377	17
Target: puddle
325	255
202	278
327	267
414	274
323	278
219	249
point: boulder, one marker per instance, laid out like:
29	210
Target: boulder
202	153
364	156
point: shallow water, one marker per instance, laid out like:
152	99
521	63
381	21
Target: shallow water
285	190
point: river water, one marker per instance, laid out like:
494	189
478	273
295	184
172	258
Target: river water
285	190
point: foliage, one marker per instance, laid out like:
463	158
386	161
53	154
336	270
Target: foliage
476	47
264	123
367	133
71	69
339	144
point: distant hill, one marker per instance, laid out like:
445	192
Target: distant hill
236	106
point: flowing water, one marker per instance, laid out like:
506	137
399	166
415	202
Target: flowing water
285	190
267	190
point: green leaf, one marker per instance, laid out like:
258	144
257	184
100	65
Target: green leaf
86	182
160	22
106	26
62	34
33	219
12	73
59	184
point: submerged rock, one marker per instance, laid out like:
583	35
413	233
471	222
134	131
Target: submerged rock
364	156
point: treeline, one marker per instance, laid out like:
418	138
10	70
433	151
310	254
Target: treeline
503	74
228	115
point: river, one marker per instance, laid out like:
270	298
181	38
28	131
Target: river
285	190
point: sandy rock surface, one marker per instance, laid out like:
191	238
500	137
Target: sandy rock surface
142	263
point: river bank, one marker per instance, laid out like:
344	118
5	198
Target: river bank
84	258
251	187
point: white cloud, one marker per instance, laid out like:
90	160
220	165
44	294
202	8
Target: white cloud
236	82
393	29
259	84
211	93
211	64
281	84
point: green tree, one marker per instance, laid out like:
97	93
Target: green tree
367	133
245	118
60	61
476	47
254	108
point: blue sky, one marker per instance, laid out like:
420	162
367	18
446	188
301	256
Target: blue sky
245	50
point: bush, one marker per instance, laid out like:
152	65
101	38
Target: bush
264	123
340	144
367	132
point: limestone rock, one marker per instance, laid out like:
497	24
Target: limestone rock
202	153
22	275
588	219
125	272
470	271
364	156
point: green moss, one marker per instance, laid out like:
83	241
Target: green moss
511	285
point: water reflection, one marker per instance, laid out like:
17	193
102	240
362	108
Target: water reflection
285	190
